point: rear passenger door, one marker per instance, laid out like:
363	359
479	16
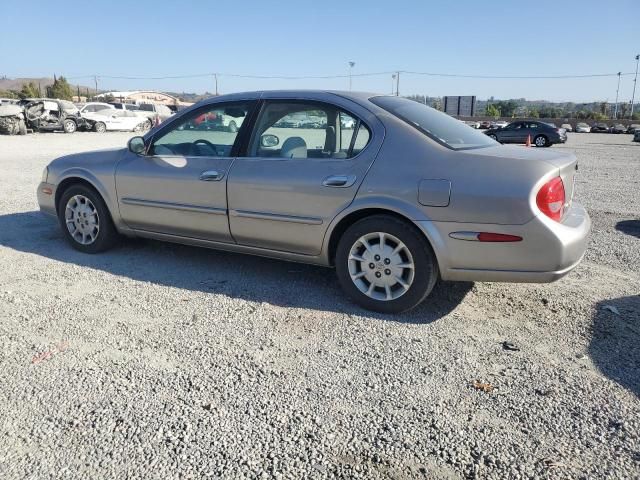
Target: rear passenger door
303	164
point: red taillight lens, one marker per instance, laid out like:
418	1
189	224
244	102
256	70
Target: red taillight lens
550	199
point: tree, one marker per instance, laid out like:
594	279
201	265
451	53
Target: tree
508	108
60	89
29	90
8	94
493	110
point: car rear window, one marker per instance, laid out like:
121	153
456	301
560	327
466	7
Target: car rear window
437	125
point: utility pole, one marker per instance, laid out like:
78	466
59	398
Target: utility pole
95	80
351	65
397	83
635	80
615	112
215	76
393	82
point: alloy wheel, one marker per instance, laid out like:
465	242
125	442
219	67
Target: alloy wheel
82	220
381	266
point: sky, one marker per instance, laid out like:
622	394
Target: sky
144	38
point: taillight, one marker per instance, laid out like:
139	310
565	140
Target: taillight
550	199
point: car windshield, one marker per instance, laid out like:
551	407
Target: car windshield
436	125
147	107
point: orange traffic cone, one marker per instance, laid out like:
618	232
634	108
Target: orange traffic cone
528	144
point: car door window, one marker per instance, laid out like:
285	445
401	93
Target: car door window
209	132
300	130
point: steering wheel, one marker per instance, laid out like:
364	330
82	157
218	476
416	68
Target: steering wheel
213	148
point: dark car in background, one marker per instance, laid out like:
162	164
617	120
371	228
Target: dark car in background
618	128
541	134
633	128
600	128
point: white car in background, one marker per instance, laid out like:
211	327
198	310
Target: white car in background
111	119
93	107
583	128
567	127
499	124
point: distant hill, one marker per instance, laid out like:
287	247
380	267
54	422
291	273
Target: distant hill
44	82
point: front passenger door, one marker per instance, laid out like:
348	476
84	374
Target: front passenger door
179	186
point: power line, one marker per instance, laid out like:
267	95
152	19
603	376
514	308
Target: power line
370	74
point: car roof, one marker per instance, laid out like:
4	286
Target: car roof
359	97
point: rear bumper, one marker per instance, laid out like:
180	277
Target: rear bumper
548	250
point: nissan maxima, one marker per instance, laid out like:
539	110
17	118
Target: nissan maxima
403	197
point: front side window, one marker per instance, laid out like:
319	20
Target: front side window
307	130
436	125
209	132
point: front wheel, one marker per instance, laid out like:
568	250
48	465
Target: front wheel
85	220
385	264
69	126
100	127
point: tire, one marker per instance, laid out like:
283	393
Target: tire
416	283
541	141
105	235
69	126
22	128
100	127
233	128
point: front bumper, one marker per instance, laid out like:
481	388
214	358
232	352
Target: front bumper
47	198
548	250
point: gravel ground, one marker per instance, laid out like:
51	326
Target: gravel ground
162	361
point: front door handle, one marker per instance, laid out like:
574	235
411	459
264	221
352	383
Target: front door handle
339	181
211	176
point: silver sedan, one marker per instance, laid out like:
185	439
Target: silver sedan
393	194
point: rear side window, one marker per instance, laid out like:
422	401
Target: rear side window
439	126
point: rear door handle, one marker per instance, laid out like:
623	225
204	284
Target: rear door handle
339	181
211	176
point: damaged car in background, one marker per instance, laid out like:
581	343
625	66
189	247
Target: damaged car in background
55	115
12	120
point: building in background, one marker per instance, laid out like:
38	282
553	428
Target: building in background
145	96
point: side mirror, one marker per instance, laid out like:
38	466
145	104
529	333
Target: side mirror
269	141
136	145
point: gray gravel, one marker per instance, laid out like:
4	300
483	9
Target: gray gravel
164	361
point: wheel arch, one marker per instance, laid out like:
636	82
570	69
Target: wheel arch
348	218
84	178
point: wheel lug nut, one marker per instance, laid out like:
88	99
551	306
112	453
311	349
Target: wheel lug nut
387	261
377	257
378	274
387	271
372	265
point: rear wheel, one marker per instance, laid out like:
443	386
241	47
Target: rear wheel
69	126
385	264
100	127
85	220
541	141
